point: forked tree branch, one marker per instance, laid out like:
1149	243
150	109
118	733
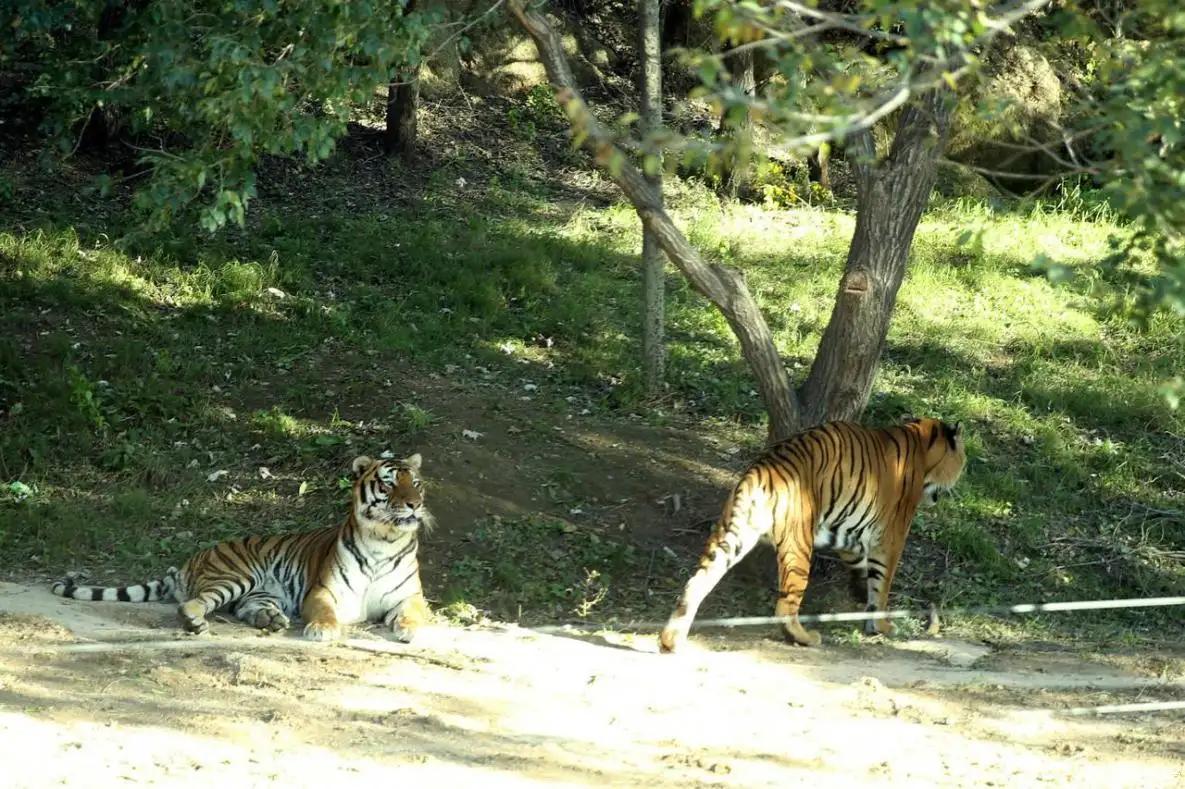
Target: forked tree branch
724	287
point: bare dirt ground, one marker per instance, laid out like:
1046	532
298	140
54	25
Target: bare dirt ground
97	694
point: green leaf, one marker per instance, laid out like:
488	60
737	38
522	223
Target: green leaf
19	491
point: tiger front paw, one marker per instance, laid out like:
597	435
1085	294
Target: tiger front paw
405	620
801	636
881	627
403	633
322	631
196	627
884	627
405	626
669	640
192	614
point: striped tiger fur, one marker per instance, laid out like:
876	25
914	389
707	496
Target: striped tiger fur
364	569
840	487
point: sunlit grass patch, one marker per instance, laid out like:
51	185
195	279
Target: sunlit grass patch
276	423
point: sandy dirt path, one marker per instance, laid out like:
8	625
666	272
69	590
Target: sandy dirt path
101	694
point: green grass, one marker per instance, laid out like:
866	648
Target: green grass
542	570
134	367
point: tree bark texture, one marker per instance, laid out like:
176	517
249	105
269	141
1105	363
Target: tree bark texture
891	198
723	286
653	296
403	99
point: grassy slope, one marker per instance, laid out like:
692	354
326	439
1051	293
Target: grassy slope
130	372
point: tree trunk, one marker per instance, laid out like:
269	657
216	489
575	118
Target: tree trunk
403	98
734	172
650	88
723	286
891	198
676	24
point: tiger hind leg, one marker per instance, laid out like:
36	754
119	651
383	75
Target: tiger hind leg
262	610
725	548
882	566
857	576
204	600
794	567
192	614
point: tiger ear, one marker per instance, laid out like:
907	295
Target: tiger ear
413	462
909	419
360	465
957	430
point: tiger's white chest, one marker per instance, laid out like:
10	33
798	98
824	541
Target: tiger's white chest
388	592
375	580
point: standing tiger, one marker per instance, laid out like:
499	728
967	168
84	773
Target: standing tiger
840	486
362	570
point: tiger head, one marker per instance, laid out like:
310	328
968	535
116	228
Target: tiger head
946	455
389	495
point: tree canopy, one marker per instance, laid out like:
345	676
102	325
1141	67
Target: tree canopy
841	68
210	86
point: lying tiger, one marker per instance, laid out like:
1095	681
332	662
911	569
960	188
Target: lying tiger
841	487
363	570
